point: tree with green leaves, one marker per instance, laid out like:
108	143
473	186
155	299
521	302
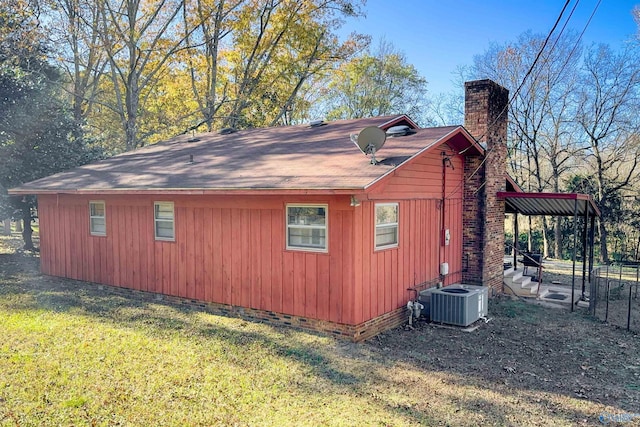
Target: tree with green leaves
279	46
376	84
75	38
36	128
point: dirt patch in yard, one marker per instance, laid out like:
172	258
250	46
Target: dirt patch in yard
529	347
528	365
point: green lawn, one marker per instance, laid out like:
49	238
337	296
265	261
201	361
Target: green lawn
71	354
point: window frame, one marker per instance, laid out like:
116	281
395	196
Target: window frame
172	221
386	225
92	217
301	226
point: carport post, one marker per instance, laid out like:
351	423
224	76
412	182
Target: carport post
515	241
575	243
584	247
591	238
594	288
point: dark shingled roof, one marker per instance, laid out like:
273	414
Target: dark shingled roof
287	157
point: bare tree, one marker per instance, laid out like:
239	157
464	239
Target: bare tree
608	102
541	144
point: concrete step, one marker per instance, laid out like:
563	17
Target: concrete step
517	275
530	283
523	282
516	288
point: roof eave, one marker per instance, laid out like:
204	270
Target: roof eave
193	191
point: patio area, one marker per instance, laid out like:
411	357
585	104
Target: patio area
555	284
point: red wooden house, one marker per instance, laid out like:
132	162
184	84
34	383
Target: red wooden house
289	224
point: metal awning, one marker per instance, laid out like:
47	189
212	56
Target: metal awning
558	204
553	204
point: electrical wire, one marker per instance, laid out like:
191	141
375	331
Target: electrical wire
577	43
504	109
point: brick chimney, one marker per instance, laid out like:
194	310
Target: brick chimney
486	114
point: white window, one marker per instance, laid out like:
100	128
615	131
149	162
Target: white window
386	225
307	227
97	218
163	219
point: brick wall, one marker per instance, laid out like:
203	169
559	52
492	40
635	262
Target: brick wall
472	221
486	119
355	333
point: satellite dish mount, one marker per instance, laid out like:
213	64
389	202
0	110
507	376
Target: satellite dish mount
370	140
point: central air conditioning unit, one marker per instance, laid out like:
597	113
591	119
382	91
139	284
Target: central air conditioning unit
459	305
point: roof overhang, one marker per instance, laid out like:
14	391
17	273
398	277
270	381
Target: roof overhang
552	204
195	191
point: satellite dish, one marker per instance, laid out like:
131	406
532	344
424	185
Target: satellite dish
370	140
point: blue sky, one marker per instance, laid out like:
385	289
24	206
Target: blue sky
439	35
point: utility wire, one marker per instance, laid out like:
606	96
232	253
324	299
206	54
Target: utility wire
557	39
504	109
577	43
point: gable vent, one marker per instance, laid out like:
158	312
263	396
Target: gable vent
395	131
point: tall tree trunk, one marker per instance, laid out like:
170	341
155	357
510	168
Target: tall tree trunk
604	254
26	229
557	244
132	99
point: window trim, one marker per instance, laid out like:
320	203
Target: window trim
386	224
325	227
172	220
104	217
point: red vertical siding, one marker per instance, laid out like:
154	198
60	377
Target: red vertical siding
213	255
347	266
277	260
225	250
232	250
383	276
265	291
336	276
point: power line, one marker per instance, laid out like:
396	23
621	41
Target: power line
577	43
557	39
504	109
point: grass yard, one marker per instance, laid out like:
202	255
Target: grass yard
72	354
